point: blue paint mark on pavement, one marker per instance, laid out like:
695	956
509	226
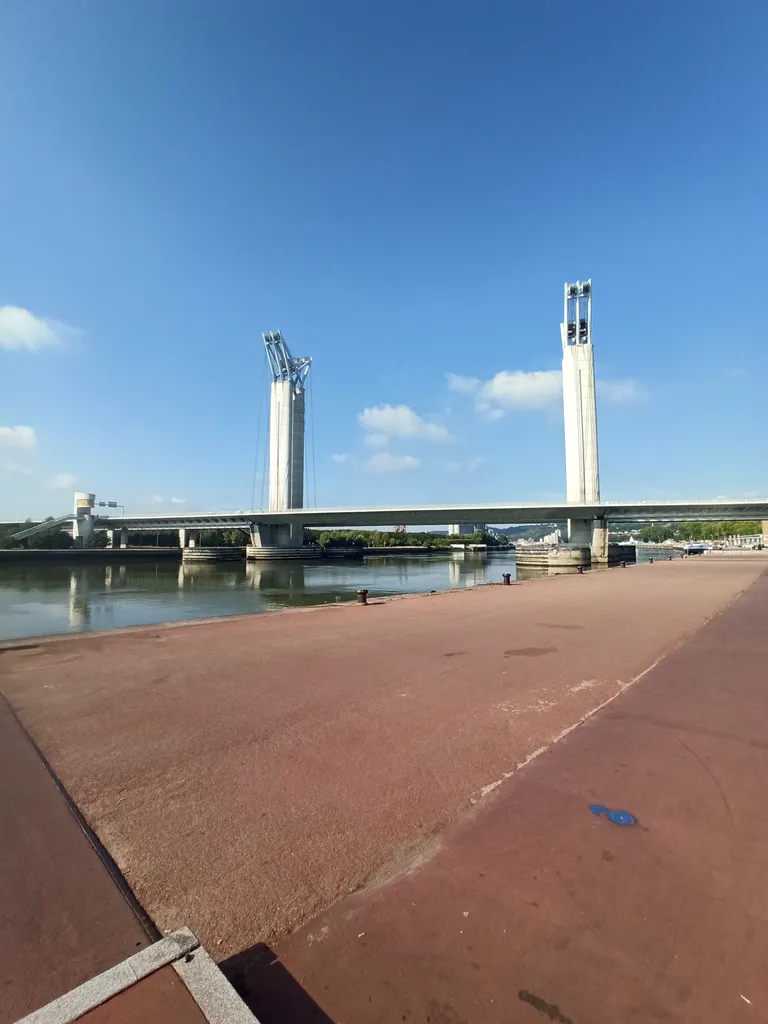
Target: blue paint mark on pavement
617	817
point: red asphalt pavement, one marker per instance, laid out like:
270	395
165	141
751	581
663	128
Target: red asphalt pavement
160	998
63	919
534	909
247	774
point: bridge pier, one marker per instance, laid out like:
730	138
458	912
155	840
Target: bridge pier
580	533
599	541
278	540
188	538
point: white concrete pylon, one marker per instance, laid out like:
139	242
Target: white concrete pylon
579	402
286	424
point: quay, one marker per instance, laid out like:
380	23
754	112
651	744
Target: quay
381	812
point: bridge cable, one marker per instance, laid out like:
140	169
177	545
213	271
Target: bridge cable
257	451
265	446
312	441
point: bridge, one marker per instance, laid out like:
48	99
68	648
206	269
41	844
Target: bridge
437	515
278	530
595	515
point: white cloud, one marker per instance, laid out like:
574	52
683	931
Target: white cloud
178	501
386	462
341	457
9	466
157	499
22	439
21	329
377	440
62	481
400	421
621	392
454	466
537	389
466	385
510	389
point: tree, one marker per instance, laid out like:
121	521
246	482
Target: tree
656	534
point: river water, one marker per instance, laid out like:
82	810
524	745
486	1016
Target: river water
60	597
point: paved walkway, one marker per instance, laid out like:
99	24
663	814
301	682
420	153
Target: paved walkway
62	917
246	775
534	909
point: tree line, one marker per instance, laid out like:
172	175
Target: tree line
658	532
385	539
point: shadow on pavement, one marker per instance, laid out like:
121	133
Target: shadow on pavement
269	990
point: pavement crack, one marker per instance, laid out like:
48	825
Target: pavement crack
714	778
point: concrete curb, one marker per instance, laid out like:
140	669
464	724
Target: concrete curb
213	994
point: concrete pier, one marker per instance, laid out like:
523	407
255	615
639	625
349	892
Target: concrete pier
228	553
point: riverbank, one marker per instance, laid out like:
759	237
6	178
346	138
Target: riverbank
88	555
297	756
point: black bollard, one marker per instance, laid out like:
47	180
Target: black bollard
623	565
507	579
670	557
362	597
650	560
580	570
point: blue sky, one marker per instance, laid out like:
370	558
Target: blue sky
402	189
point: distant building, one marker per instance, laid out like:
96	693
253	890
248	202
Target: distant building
460	529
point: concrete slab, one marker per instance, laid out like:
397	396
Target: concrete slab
533	908
247	774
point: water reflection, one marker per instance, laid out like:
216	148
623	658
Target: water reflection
467	569
59	597
287	578
79	606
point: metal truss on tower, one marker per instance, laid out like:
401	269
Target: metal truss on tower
281	362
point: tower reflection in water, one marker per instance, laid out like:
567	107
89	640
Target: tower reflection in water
466	569
79	604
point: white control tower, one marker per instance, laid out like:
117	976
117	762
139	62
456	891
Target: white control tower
286	424
582	475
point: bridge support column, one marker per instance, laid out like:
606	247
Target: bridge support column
765	533
189	538
82	529
580	533
110	538
278	540
124	537
599	541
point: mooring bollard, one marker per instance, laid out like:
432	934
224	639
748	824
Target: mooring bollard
669	558
580	570
507	579
651	561
362	597
623	565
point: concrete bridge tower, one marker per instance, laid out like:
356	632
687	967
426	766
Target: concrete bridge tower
286	424
286	444
581	460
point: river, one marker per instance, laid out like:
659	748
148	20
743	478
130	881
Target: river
60	597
